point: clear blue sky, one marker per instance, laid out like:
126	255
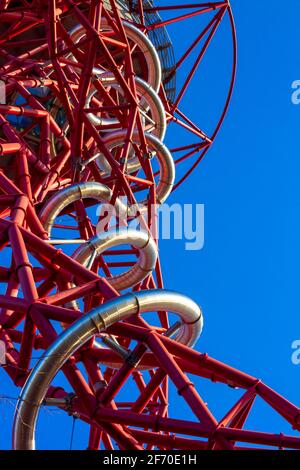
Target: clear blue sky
246	277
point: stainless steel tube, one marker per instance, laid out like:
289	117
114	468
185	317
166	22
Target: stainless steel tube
141	40
79	333
162	153
149	101
122	236
88	190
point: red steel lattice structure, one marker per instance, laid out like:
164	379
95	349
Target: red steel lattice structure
90	89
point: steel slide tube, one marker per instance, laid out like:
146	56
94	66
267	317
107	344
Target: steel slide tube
136	238
96	321
141	40
148	101
87	190
166	163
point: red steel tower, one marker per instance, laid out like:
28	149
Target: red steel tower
89	89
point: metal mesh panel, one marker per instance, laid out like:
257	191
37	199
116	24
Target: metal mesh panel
162	42
164	47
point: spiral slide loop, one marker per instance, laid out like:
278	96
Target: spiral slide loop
149	101
139	39
80	332
62	199
163	155
138	239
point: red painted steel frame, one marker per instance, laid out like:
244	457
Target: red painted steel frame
48	142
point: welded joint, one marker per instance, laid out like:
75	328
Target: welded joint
147	271
138	306
23	265
23	175
195	321
58	252
185	387
99	324
19	198
215	433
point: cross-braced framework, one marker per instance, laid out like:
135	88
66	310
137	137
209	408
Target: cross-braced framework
91	87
